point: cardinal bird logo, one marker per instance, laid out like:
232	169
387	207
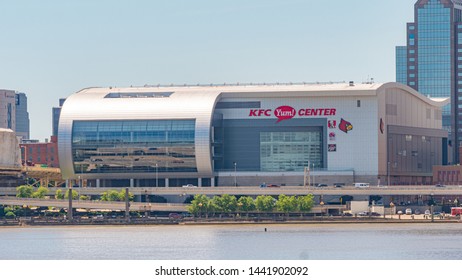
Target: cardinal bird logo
345	126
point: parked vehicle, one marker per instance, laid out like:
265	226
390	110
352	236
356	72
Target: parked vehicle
440	186
273	186
321	185
408	211
339	185
361	185
427	212
456	211
189	186
175	216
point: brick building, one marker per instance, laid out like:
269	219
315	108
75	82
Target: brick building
41	153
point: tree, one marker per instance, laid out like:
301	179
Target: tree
40	193
84	197
59	194
198	204
226	203
10	215
264	203
75	195
246	204
24	191
305	203
286	204
113	195
122	195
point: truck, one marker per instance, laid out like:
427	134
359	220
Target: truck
456	211
361	185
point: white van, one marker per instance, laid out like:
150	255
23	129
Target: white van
361	185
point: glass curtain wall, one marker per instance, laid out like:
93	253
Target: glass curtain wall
139	146
290	151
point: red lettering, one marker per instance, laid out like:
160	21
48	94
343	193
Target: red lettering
301	112
253	113
268	113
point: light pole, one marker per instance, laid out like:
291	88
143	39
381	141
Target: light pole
388	173
157	175
392	206
322	209
313	176
235	175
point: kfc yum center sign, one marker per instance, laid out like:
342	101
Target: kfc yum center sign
287	112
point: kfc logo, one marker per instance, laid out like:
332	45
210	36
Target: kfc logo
284	113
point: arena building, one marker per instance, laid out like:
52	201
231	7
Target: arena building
250	134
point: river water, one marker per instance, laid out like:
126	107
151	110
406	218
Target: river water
240	242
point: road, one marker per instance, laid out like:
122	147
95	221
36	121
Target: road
251	190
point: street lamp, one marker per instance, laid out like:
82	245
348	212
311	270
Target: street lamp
235	175
157	175
392	205
322	209
200	209
313	176
388	173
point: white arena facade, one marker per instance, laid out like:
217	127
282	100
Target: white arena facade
247	135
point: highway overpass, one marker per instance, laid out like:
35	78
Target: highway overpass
254	191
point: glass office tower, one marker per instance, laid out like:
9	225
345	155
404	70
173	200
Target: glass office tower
431	61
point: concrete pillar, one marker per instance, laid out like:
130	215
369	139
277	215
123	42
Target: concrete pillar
127	206
98	183
167	183
212	181
199	182
67	183
69	208
132	183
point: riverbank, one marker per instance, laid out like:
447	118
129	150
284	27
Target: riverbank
396	219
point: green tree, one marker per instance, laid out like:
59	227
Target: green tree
59	194
84	197
264	203
286	204
24	191
122	195
199	205
75	195
225	203
246	204
305	203
10	215
113	195
40	193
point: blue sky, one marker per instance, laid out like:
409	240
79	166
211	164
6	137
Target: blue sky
53	48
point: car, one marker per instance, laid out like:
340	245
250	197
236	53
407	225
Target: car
427	212
363	214
417	212
321	185
440	186
273	186
375	214
189	186
400	212
408	211
175	216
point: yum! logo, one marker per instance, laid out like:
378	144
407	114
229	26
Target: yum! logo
281	113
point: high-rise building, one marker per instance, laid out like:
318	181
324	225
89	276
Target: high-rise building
56	112
22	116
7	109
431	61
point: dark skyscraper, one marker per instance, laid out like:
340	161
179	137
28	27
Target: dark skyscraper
431	61
22	116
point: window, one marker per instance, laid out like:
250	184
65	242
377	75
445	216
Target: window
408	138
134	146
358	103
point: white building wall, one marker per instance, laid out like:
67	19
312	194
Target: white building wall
356	149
